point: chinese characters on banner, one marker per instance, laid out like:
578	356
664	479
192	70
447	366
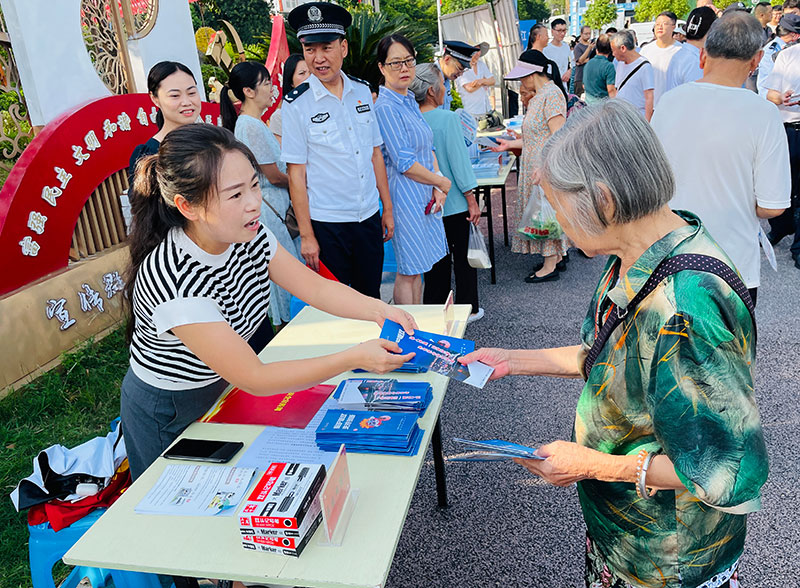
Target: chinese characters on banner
88	299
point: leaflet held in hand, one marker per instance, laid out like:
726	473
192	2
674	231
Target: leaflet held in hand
439	353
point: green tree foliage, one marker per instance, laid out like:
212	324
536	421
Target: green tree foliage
449	6
420	12
534	10
250	18
599	13
648	10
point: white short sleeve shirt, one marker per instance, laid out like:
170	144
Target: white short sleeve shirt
334	139
477	102
684	67
659	58
732	157
633	90
560	55
786	76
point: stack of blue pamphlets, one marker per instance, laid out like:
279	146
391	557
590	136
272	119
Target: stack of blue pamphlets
438	353
394	433
493	450
384	395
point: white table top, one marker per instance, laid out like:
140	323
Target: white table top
210	547
502	175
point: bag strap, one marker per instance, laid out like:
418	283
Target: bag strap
272	208
630	75
672	265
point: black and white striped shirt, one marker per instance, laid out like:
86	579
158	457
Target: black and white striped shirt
180	284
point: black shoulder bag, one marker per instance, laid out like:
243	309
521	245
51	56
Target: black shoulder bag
672	265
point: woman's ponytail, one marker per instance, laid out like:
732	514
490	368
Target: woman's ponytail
227	109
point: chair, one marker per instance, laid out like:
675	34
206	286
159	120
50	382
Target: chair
46	547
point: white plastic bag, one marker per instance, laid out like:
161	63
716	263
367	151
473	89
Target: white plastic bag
477	253
538	221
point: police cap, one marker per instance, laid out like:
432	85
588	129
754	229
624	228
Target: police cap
460	51
319	22
790	23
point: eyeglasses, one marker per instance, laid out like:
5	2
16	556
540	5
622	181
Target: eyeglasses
564	30
398	65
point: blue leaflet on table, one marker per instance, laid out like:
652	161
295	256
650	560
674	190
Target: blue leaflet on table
438	353
383	394
374	432
413	446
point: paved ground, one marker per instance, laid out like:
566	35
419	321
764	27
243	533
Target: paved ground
507	528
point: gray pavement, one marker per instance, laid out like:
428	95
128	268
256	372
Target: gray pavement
507	528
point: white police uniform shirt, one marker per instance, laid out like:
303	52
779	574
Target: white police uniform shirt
785	76
334	139
448	89
767	62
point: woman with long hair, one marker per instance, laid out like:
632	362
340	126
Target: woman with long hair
547	111
417	186
173	90
250	84
199	287
295	72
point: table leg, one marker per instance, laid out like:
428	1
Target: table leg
505	214
438	464
184	582
488	199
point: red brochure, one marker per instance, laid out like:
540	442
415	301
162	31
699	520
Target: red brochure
293	410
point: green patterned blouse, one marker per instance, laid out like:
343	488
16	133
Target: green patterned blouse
676	376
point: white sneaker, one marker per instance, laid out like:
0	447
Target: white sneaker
475	317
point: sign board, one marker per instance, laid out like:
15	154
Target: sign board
525	31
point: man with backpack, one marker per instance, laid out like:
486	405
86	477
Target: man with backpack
634	81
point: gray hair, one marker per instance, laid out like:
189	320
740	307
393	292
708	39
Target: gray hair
608	145
427	75
624	38
735	35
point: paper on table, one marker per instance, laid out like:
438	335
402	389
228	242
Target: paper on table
276	444
196	490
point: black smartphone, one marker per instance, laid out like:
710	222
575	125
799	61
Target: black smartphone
204	450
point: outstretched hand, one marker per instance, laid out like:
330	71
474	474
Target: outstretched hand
499	359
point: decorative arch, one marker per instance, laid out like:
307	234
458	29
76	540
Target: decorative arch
48	187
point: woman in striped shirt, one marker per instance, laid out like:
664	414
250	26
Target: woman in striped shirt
417	186
199	287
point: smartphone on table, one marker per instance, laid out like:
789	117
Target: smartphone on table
204	450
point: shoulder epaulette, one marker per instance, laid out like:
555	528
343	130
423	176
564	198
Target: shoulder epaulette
292	96
359	80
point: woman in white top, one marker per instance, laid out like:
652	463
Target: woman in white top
199	287
250	84
295	72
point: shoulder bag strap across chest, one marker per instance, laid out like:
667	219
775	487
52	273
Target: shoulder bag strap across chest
630	75
672	265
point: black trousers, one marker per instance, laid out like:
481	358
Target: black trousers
437	280
353	252
788	223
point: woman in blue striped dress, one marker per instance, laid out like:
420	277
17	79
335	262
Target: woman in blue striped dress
417	187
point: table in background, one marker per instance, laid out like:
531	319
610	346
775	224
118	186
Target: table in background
210	547
484	189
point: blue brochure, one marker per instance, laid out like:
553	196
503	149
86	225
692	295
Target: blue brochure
370	432
438	353
493	450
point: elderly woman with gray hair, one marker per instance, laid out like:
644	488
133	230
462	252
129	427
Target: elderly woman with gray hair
460	207
667	448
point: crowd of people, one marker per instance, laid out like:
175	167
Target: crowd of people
678	150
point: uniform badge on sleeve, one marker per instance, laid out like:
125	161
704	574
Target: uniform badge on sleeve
320	117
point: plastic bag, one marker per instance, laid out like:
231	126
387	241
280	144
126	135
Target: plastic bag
539	219
477	253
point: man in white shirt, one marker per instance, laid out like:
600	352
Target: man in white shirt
331	144
685	64
783	89
559	51
660	51
726	146
634	80
787	33
475	84
455	60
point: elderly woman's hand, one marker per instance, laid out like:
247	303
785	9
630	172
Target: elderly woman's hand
502	145
499	359
566	463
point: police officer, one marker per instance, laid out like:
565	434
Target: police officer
786	33
454	61
331	144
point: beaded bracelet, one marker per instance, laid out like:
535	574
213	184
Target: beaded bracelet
641	485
